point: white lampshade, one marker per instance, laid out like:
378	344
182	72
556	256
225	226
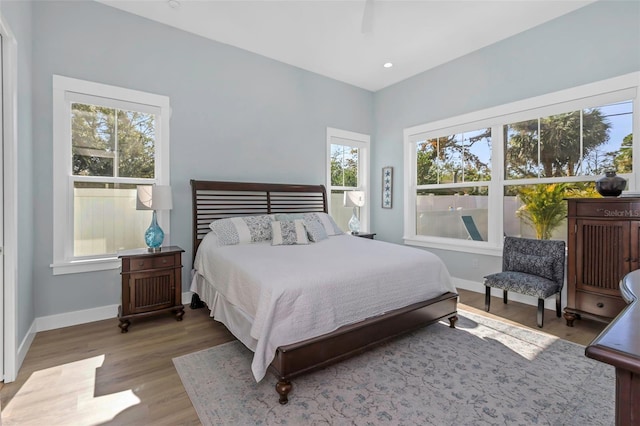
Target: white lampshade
354	198
154	197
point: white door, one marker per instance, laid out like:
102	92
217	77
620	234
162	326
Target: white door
8	202
1	214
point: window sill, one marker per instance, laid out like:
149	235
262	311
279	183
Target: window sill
80	266
465	246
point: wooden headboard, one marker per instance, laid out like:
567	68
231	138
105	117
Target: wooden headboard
213	200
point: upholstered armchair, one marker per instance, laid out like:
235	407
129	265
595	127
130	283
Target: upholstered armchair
531	267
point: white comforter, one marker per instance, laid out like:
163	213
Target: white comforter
298	292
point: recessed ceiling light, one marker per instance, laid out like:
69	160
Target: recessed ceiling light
388	65
174	4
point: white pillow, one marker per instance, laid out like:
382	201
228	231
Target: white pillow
288	232
242	230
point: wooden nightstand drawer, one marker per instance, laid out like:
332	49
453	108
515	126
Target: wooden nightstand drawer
598	304
142	264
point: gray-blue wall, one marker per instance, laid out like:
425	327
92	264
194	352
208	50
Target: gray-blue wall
235	116
240	116
599	41
17	16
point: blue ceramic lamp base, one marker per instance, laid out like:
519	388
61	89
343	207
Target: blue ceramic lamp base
154	235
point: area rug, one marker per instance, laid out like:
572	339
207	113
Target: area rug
484	372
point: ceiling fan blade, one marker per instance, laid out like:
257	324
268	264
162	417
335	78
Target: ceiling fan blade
367	17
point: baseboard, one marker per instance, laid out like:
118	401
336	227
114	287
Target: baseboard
68	319
24	346
186	297
550	303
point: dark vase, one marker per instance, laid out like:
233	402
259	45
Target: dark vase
611	185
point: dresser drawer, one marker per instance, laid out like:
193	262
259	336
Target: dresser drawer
609	210
600	305
139	264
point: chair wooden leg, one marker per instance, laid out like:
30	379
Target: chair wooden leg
540	317
558	307
487	298
504	296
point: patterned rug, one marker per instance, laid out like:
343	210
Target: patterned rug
484	372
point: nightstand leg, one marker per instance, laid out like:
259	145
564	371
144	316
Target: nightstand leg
179	314
124	326
124	323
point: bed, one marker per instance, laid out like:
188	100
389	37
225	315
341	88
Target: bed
301	307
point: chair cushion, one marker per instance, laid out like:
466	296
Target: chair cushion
530	264
523	283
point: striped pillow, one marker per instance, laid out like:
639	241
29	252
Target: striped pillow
288	232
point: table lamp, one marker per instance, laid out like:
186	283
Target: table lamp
154	197
354	199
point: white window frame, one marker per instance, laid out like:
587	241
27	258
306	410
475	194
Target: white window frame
65	91
363	143
595	94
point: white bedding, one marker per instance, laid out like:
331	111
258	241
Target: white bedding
293	293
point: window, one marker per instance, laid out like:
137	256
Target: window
453	173
507	170
347	170
107	140
575	148
585	142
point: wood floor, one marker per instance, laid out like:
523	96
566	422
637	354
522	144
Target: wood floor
92	374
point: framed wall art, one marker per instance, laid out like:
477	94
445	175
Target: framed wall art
387	187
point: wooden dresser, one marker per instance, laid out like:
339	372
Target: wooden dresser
603	246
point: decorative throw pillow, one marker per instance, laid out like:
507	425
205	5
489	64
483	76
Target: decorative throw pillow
315	231
327	222
288	232
242	230
531	264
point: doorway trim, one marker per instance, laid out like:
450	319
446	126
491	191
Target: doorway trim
10	203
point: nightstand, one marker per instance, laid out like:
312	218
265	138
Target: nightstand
365	235
151	284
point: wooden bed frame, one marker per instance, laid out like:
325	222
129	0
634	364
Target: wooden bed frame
213	200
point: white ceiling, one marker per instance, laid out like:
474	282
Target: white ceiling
328	38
